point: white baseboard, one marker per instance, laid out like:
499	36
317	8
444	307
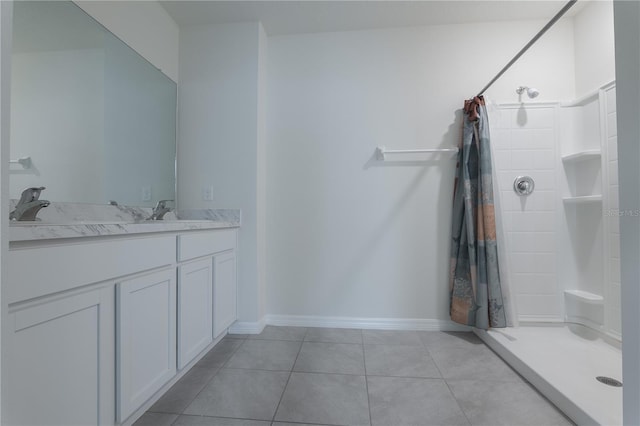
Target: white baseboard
248	327
365	323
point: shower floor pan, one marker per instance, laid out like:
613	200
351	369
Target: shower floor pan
562	362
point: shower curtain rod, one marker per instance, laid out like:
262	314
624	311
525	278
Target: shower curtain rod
531	43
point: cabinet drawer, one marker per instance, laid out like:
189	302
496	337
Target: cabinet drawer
39	271
200	244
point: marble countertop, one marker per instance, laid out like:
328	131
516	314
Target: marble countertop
67	220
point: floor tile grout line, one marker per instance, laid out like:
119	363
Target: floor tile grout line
217	369
405	377
273	418
475	378
212	377
395	344
434	361
224	364
226	417
326	374
484	379
331	373
256	369
366	381
173	422
307	424
457	402
332	343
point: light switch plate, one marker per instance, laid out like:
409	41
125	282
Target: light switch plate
207	193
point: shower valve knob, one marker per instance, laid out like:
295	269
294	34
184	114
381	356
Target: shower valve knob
523	185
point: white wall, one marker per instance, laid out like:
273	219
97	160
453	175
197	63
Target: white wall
594	46
627	38
6	14
348	236
218	136
144	25
262	147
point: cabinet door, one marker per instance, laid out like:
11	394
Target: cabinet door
195	300
146	338
59	368
224	291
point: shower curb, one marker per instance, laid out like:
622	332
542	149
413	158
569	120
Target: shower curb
562	402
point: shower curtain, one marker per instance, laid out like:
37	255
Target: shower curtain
474	285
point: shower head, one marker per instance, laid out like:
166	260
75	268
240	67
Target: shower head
531	92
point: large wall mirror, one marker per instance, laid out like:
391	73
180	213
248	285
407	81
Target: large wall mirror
91	120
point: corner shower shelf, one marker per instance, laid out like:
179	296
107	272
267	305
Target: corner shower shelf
585	296
581	156
585	199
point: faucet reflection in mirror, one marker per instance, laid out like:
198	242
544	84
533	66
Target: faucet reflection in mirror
29	204
160	210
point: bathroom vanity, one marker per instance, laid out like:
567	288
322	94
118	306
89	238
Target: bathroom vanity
102	310
101	318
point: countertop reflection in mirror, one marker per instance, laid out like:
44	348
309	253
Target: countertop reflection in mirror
97	120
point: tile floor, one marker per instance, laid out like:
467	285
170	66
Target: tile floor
293	376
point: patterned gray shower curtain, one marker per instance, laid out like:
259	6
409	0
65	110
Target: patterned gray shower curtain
474	285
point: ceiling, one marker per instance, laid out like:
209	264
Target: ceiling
294	17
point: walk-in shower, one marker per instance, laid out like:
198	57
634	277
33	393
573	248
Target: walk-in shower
560	257
555	173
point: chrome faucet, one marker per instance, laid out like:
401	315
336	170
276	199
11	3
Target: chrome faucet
29	204
160	210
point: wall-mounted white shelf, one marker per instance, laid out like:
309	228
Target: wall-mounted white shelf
585	297
585	199
581	156
25	162
382	152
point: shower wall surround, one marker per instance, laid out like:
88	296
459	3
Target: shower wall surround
524	141
612	307
562	241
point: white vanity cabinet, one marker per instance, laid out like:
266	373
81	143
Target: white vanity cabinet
206	289
95	329
59	326
195	309
146	338
60	361
224	291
